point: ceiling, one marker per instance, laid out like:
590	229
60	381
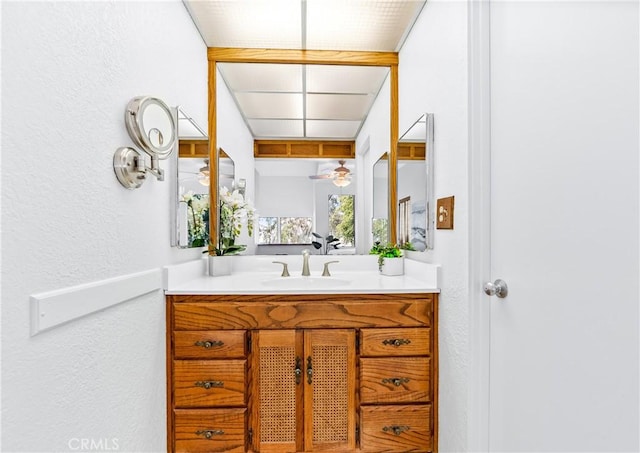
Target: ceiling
304	101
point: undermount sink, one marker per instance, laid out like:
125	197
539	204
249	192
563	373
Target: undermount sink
305	282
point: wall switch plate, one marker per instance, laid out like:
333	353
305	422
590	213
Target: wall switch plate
444	214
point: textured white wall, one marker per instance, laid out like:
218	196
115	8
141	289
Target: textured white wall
433	79
276	199
68	71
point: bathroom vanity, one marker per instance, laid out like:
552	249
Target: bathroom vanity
297	370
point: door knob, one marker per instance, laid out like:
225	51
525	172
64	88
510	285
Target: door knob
498	288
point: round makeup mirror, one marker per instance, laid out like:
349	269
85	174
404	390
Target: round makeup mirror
151	125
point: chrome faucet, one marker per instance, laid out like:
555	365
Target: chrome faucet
305	263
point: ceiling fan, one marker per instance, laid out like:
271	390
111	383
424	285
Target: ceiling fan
340	176
202	175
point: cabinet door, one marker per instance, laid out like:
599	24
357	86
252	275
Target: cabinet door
276	414
329	395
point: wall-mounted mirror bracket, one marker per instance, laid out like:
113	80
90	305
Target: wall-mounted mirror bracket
131	167
151	125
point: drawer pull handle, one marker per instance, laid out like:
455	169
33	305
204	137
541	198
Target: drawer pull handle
209	384
396	342
396	429
309	370
298	370
209	433
396	381
209	343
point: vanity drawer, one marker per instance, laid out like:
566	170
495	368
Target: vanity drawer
229	344
204	383
395	342
396	428
394	380
210	430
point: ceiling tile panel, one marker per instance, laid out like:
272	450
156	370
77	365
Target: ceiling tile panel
275	24
262	77
276	128
359	24
270	105
335	129
345	79
338	106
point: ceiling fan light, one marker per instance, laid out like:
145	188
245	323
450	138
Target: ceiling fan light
341	181
203	176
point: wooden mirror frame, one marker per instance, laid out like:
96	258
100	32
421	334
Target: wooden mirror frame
290	56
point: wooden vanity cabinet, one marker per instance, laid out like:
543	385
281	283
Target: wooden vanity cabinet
302	373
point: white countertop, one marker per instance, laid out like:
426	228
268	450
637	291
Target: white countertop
257	275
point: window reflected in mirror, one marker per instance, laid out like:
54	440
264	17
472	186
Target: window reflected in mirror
295	230
380	230
342	220
284	230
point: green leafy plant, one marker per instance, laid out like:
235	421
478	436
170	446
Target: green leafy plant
408	246
385	251
235	212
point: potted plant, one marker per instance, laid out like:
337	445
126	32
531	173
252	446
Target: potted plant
390	258
235	212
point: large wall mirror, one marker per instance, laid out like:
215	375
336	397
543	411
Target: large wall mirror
286	193
298	197
415	185
191	225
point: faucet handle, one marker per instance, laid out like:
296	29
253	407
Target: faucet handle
285	268
325	272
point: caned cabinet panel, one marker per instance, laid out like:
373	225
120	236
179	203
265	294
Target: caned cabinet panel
210	344
210	430
329	395
396	428
203	383
276	417
395	342
394	380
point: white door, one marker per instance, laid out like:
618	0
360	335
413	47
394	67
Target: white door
564	226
